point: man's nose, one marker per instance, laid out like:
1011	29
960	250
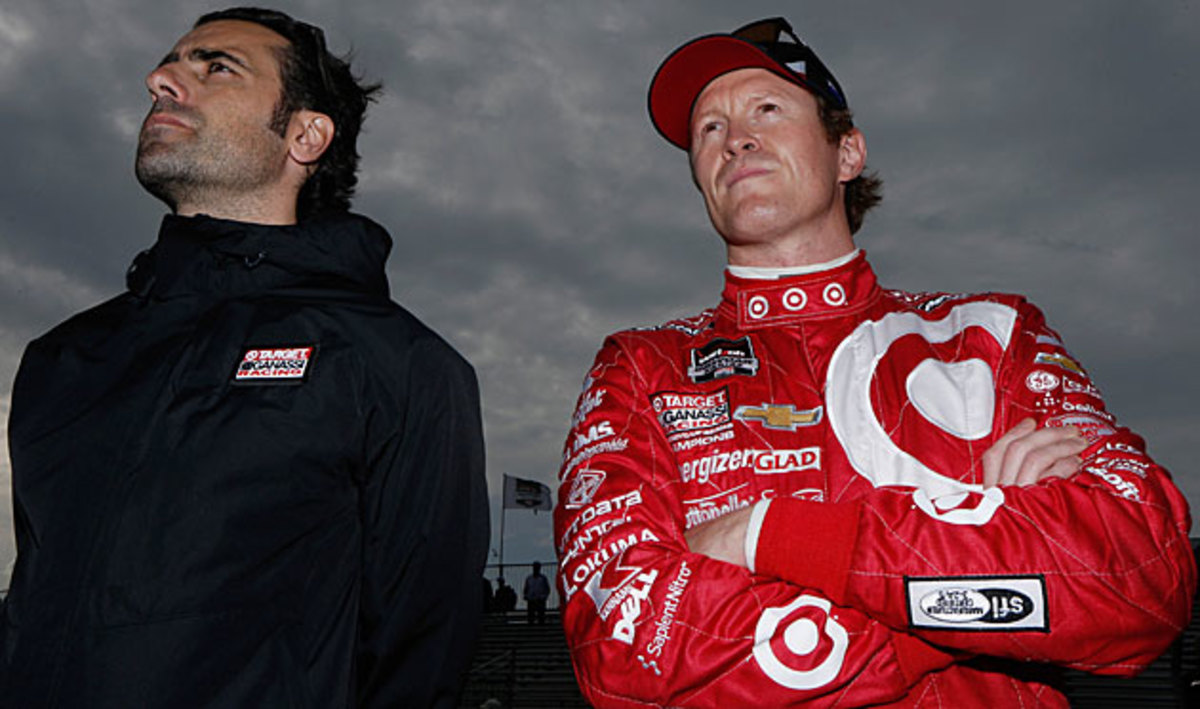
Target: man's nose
739	140
165	82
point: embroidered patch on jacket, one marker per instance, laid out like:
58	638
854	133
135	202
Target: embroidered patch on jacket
1058	360
683	413
781	417
722	358
977	603
274	365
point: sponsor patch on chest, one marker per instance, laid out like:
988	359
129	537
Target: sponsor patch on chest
722	358
274	365
979	603
681	413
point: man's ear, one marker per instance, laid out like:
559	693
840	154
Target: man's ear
309	136
852	155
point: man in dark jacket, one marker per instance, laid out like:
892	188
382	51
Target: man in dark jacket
251	480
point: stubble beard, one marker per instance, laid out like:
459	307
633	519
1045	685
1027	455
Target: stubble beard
206	167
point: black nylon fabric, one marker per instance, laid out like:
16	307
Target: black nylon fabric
187	540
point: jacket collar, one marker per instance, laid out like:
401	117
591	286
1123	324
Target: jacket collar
206	256
751	303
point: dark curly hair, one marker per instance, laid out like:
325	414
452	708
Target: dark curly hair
316	80
864	191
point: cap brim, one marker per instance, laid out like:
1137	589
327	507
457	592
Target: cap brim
684	74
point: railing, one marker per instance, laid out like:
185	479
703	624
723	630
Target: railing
514	575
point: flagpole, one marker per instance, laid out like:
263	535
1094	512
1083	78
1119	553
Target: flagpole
503	509
521	494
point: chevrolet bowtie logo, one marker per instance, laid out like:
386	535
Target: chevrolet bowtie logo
780	417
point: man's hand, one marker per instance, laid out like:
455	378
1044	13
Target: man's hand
1022	456
723	539
1027	454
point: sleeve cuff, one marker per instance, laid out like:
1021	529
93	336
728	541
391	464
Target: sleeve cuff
753	530
807	543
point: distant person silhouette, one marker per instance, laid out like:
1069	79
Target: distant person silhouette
506	597
536	591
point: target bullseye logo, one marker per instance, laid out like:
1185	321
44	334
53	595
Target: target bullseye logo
806	622
955	397
834	294
802	637
794	299
758	307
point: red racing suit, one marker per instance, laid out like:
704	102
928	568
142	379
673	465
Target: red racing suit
884	572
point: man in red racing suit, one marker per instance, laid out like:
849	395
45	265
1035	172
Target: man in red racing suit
845	426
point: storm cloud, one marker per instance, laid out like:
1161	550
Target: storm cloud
1042	148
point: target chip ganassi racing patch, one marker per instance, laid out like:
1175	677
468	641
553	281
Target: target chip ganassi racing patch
269	365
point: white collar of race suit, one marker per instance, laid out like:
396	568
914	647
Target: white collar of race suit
763	273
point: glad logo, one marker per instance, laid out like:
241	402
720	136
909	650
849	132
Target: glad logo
787	461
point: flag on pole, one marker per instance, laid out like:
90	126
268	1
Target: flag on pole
526	495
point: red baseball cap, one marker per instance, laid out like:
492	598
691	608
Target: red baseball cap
766	44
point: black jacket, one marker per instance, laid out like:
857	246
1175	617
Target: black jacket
250	481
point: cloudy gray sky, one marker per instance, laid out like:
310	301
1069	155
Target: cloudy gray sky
1044	148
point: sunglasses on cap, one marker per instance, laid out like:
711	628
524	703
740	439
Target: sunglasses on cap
766	44
776	37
